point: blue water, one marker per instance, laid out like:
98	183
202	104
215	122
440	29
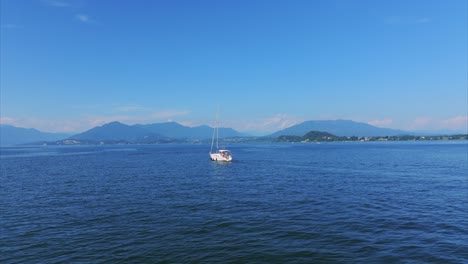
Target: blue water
401	202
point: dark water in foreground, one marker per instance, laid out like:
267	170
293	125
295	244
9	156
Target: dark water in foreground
277	203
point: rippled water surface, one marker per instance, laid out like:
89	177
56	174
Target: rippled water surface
276	203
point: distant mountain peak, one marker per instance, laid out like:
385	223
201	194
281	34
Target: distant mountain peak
112	131
113	123
338	127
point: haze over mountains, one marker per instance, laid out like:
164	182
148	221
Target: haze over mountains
10	135
137	133
175	132
339	128
116	131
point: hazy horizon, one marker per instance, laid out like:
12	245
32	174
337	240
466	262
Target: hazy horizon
254	133
70	65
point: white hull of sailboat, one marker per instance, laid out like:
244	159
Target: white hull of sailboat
219	154
220	157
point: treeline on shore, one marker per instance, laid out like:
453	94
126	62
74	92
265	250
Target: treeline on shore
313	136
318	136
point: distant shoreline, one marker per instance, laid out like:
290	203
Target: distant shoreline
332	138
319	138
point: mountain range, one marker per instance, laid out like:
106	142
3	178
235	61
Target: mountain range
11	135
116	131
339	128
174	132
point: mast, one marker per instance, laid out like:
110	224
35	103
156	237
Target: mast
212	140
217	128
215	132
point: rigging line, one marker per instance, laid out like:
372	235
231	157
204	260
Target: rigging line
212	140
217	128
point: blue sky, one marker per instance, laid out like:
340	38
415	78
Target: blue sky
69	65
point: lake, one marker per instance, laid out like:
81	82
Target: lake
372	202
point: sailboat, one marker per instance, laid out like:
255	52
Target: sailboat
219	154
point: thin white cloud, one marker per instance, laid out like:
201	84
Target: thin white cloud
83	18
381	122
7	120
263	125
186	123
281	121
422	122
71	5
57	3
457	123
